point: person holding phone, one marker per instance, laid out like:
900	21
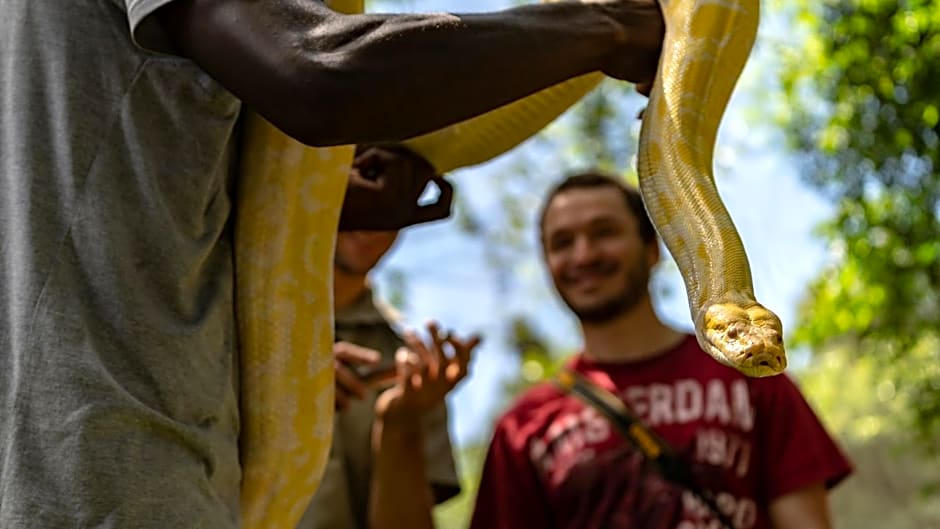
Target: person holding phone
391	459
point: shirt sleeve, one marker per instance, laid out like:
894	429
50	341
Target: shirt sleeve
439	455
146	31
795	451
510	494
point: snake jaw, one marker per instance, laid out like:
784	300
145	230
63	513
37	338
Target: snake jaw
747	337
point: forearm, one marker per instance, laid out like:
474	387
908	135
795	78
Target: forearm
439	69
807	508
401	495
327	78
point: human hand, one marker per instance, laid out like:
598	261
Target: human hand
349	386
427	372
385	184
636	56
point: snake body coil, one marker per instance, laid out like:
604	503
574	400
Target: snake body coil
290	197
706	46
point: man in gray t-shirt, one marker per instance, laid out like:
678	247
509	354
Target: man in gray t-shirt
118	120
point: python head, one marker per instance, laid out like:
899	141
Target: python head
745	336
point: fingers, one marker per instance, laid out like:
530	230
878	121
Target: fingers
372	163
427	370
645	30
436	357
431	358
410	370
418	361
406	173
463	351
356	179
357	354
348	384
439	209
379	375
431	354
391	180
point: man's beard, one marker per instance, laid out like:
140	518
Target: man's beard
636	283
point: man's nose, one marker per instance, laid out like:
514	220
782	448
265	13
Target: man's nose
585	250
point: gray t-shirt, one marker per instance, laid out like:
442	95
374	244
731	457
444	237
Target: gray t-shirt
118	406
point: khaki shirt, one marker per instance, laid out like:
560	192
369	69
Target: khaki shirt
342	500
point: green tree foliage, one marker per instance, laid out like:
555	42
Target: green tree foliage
892	484
863	105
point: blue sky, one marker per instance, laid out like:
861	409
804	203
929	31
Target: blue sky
448	279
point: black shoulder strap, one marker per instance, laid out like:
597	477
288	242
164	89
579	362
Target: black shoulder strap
653	447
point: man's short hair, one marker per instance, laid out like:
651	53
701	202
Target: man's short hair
595	179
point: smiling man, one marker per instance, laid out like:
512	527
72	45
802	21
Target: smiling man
556	462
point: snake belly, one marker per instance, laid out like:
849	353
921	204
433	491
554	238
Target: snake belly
706	46
289	201
285	237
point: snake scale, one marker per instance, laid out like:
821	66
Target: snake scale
290	196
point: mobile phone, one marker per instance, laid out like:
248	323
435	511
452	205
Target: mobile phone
379	374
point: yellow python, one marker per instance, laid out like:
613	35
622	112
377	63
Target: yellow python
707	44
289	200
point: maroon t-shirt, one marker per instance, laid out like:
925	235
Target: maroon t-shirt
556	462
